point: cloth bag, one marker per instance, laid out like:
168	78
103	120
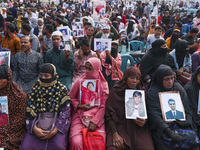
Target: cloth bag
46	121
92	140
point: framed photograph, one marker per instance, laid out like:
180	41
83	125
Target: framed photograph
4	118
171	106
101	44
90	92
5	58
65	32
135	105
77	29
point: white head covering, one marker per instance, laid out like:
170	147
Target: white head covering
57	33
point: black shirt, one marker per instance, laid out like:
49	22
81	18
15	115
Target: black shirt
190	41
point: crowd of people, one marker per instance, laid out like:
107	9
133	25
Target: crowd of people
44	76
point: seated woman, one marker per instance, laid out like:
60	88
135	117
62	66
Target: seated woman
171	41
125	133
163	133
11	134
156	56
111	64
192	89
48	113
182	60
85	115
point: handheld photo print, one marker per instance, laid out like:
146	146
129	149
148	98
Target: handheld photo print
135	105
90	92
171	106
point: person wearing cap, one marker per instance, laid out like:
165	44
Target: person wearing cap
38	30
108	31
171	41
119	22
4	13
123	46
26	30
26	65
11	41
156	56
81	56
49	20
63	60
143	24
53	100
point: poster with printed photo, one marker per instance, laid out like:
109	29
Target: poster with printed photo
65	45
4	118
135	105
99	8
5	58
77	29
101	44
65	32
171	106
90	92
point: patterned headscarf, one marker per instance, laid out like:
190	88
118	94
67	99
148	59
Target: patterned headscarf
47	97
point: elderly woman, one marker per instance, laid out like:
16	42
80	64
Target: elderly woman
125	133
48	113
192	89
87	115
111	64
173	135
11	134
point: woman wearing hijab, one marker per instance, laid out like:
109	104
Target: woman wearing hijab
192	89
12	133
132	31
171	41
182	59
48	113
85	115
125	133
164	135
111	64
156	56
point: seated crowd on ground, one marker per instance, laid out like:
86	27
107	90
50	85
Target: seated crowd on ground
67	67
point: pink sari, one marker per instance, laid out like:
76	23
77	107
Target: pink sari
81	118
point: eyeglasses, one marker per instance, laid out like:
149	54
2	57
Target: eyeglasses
167	79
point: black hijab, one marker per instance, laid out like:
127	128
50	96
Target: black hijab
181	51
155	57
114	53
174	39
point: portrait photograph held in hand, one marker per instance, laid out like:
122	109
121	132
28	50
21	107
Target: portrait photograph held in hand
5	58
102	44
65	32
198	112
4	119
90	92
171	106
135	105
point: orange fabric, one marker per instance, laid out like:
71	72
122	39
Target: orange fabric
13	43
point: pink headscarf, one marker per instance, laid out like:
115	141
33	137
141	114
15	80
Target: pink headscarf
98	112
